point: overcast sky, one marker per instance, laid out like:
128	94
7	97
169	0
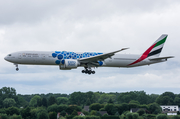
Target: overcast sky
93	26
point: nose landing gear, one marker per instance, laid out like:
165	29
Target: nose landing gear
16	65
86	71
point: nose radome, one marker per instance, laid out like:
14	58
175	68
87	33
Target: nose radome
6	58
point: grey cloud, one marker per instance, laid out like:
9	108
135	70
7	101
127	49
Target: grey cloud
28	11
37	11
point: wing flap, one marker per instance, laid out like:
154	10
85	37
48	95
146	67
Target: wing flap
100	57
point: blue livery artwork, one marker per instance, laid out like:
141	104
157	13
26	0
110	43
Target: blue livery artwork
62	55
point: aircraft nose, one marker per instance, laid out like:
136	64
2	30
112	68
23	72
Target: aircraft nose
9	58
5	58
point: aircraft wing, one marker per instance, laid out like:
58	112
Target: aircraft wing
99	57
160	58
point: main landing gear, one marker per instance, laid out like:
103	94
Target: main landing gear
86	71
16	65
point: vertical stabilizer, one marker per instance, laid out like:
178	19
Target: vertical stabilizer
157	46
154	50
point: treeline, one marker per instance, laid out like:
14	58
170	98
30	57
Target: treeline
38	106
8	94
88	98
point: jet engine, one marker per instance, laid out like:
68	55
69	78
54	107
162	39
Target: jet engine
69	64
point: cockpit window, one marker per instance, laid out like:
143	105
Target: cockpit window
9	55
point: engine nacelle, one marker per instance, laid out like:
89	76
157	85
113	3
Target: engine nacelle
69	64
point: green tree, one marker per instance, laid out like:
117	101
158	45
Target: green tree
91	96
3	116
98	114
7	92
75	117
35	111
14	116
85	112
42	115
22	102
88	102
110	101
53	108
127	97
141	112
102	109
104	98
93	112
74	113
176	117
60	108
52	115
143	106
151	116
9	102
122	108
135	115
129	116
117	114
165	100
12	110
142	97
95	106
139	96
71	108
34	101
92	117
1	102
44	102
96	96
51	100
161	116
2	111
77	98
133	105
26	112
134	102
63	113
152	98
154	108
169	94
177	101
39	102
62	100
111	109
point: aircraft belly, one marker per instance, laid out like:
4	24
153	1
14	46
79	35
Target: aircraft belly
117	63
49	61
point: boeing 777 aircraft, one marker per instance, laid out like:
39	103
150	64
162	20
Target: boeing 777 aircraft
71	60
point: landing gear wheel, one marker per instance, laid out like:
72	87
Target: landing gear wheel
86	71
16	65
89	72
17	69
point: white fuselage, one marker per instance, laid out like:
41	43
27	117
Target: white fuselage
46	58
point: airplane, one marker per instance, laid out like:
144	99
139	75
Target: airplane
71	60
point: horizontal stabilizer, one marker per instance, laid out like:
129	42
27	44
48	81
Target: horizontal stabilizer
160	58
